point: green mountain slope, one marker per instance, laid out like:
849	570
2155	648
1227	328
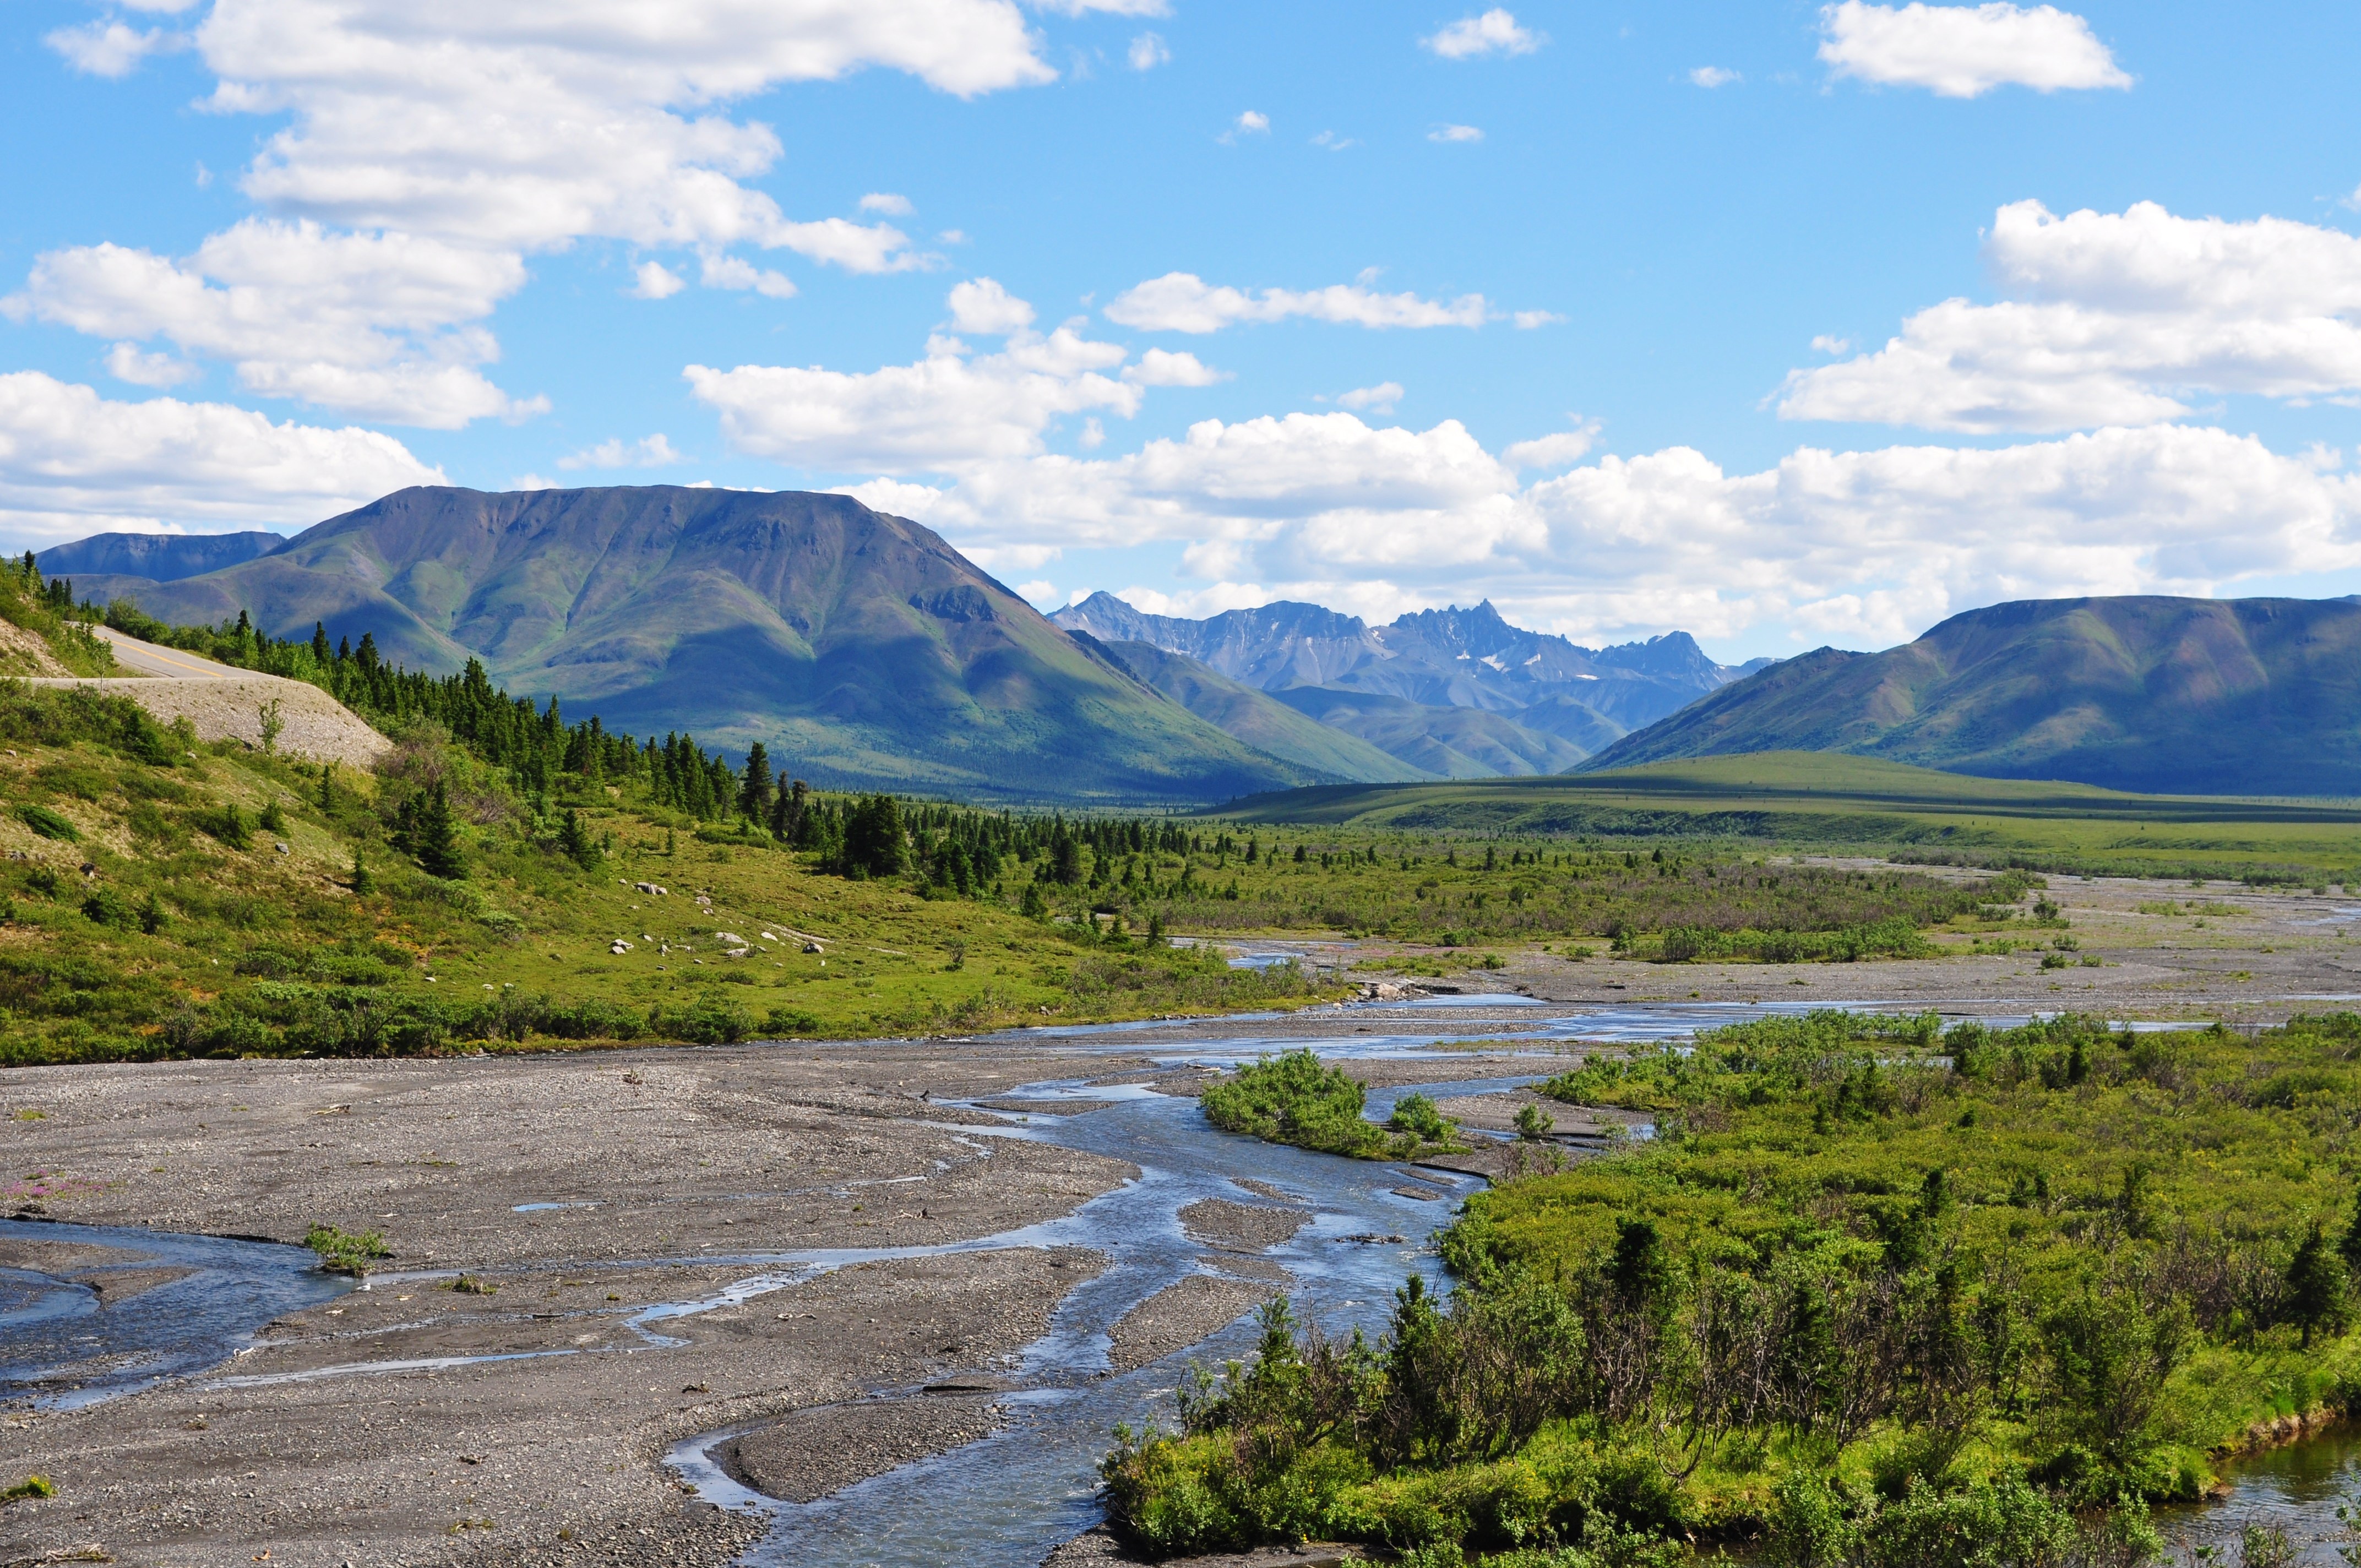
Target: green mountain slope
1441	743
861	648
1258	718
2214	697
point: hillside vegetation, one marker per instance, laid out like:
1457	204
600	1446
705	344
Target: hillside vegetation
2214	697
858	643
1826	800
506	878
1885	1294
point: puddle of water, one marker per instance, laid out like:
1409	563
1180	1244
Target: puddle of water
63	1345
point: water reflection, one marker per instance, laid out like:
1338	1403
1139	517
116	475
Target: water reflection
2297	1488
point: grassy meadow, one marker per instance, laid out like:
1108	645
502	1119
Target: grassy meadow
1829	801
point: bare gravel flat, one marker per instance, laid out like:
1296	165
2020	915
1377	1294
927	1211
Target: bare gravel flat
1217	1222
811	1453
334	1445
1181	1315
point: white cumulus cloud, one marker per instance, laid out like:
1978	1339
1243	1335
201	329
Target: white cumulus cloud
1147	51
1963	51
1162	367
1494	32
889	204
412	133
1454	133
380	325
981	306
126	362
737	273
948	408
649	452
1559	450
72	463
1711	76
1182	302
655	281
2117	319
1868	546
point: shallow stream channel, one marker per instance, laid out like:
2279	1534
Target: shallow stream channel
1007	1499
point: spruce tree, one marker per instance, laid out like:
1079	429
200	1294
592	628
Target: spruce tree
754	789
2315	1287
577	844
434	838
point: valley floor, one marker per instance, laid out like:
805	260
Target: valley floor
582	1188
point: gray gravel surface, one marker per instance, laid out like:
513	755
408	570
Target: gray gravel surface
1181	1315
811	1453
335	1447
1217	1222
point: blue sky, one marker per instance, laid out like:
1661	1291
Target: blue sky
1780	324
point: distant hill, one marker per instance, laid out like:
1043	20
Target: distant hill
1440	742
2173	695
1257	717
1453	693
155	557
859	647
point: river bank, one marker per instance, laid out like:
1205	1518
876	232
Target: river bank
664	1245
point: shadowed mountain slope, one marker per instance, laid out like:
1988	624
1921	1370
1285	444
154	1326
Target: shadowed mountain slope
155	557
2217	697
1258	718
1444	742
859	647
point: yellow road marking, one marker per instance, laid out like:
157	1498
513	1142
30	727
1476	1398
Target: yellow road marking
150	651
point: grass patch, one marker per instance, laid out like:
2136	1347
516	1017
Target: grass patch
30	1487
345	1252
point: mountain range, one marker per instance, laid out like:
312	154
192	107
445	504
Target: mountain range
2170	696
1446	693
861	648
866	653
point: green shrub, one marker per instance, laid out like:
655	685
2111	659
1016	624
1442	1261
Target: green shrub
104	906
345	1252
48	823
1293	1097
